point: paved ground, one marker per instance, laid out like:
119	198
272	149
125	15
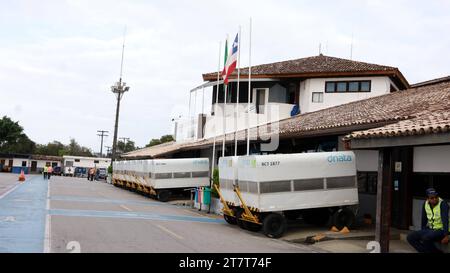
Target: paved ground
70	214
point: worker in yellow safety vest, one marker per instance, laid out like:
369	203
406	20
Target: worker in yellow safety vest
45	171
435	224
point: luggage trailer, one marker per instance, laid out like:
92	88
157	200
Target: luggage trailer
270	189
160	178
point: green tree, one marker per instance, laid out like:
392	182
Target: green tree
126	147
215	182
163	139
12	137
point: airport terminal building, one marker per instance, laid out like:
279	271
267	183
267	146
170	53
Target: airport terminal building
408	124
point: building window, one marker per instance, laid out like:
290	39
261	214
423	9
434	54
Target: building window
422	181
96	161
348	86
317	97
365	86
24	163
353	86
367	182
330	87
341	87
77	160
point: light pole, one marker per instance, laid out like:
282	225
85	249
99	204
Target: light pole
119	89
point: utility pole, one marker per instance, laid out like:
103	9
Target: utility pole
118	89
102	134
108	150
125	140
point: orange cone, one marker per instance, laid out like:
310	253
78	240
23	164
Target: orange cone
22	176
334	229
345	230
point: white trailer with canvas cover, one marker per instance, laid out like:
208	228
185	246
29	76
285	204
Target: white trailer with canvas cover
271	188
163	177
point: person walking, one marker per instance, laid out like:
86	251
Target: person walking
49	172
435	225
91	174
45	171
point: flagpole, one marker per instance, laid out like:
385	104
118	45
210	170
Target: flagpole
225	106
237	92
249	86
215	114
224	121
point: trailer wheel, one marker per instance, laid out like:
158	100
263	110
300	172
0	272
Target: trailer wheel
164	196
274	225
229	219
318	217
343	217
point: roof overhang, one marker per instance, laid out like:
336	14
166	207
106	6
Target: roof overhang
394	74
384	142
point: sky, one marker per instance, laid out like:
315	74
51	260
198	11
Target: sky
58	59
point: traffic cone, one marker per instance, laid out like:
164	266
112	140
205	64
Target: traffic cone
22	176
334	229
345	230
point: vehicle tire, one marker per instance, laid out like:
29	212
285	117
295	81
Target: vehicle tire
163	196
318	217
238	213
274	225
343	217
229	219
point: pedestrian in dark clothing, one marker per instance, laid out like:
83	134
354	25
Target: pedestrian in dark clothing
435	225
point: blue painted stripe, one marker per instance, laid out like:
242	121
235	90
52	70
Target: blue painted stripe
106	200
22	217
132	215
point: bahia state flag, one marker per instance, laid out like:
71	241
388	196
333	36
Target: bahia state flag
231	61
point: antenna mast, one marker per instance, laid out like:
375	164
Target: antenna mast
123	50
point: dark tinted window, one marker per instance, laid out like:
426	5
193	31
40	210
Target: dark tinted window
330	87
365	86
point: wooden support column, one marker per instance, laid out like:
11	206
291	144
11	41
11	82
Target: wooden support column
384	186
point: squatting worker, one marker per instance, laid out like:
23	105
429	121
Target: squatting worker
49	171
435	224
45	171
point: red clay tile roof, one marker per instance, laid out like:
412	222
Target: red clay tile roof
428	105
431	82
316	66
426	123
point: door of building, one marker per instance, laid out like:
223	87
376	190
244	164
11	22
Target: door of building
402	170
260	100
33	166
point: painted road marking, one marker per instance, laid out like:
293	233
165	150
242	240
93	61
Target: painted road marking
170	232
125	207
48	225
132	215
105	200
9	219
9	191
193	212
26	233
